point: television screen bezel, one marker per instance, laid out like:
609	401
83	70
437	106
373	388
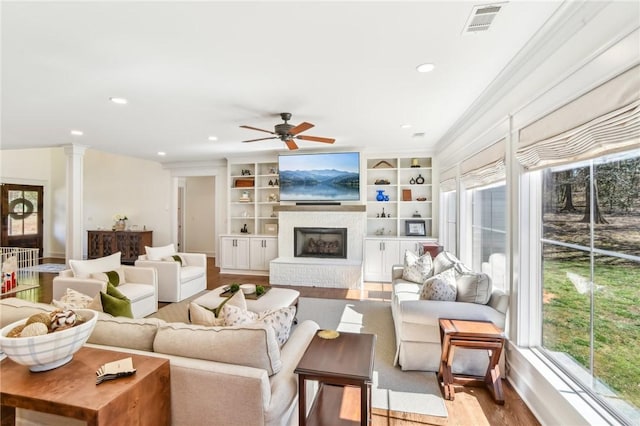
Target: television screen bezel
323	200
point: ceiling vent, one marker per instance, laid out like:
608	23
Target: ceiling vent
481	17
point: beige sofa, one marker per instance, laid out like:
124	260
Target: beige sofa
219	375
417	328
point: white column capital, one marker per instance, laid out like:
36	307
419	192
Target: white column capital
74	149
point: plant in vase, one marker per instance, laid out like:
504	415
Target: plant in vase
120	222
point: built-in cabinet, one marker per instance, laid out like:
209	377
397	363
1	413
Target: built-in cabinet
247	254
129	243
380	254
399	189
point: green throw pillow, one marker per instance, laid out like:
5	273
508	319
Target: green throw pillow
114	277
115	303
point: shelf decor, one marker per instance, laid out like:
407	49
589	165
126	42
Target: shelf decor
415	228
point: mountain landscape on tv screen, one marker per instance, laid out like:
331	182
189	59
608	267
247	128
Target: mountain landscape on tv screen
326	184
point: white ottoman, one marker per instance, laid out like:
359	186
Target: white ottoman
273	299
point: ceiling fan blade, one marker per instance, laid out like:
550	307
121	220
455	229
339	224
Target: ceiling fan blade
291	144
260	130
316	139
300	128
261	139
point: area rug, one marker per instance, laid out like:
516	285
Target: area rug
52	268
394	391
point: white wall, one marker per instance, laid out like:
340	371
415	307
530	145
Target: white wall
140	189
199	215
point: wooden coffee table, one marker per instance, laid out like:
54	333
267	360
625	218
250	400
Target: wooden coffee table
471	335
344	369
71	391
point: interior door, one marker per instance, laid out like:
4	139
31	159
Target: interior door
22	216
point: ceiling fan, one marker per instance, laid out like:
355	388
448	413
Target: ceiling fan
288	132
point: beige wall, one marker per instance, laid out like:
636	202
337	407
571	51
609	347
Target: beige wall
199	215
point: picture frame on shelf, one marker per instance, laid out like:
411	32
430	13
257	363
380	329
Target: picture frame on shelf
415	228
270	229
406	195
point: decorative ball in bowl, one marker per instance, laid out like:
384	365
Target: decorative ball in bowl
52	350
248	288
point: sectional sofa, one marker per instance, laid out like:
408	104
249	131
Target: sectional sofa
219	375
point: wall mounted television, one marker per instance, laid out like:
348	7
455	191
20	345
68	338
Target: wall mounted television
320	177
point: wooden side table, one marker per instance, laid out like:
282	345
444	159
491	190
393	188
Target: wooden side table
71	391
471	335
344	369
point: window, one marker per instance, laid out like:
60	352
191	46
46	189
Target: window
23	212
591	276
449	213
489	236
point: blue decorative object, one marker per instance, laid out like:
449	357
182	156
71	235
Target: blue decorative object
381	196
386	198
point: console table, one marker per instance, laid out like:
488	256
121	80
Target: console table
129	243
71	391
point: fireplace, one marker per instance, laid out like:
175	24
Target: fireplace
320	242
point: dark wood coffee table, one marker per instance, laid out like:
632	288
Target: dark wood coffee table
344	369
471	335
71	391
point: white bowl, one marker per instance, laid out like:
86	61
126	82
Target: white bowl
248	288
49	351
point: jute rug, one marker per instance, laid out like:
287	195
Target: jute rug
394	391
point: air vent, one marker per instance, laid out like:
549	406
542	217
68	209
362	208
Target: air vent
419	135
481	17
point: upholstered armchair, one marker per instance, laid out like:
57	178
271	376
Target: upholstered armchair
180	275
139	285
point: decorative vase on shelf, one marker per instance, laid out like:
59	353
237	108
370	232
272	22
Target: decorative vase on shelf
121	225
380	196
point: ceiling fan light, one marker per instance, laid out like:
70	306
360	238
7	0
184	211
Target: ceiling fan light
427	67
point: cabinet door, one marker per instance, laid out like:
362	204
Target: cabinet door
380	256
235	253
263	250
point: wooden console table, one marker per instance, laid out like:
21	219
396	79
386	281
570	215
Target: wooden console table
130	243
344	369
471	335
71	391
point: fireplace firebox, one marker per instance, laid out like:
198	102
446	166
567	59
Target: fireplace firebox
320	242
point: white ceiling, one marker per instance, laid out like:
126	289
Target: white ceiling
196	69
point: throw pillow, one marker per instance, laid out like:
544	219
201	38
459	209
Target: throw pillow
115	303
157	253
174	258
417	268
84	268
473	287
205	316
279	319
440	287
443	261
115	277
73	300
96	303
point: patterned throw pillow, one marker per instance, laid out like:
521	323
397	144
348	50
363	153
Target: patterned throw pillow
279	319
443	261
205	316
417	268
73	300
440	287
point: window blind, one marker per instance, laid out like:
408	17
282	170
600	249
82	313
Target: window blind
602	121
485	167
448	180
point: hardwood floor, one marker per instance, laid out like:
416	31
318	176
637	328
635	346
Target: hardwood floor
472	405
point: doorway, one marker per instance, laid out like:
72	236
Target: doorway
22	216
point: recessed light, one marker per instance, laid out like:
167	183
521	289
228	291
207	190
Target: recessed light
120	101
405	126
162	153
213	138
425	67
77	132
419	135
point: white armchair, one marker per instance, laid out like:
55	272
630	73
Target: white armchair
140	284
178	281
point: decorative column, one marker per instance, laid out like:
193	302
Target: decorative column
74	179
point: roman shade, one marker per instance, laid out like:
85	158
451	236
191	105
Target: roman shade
485	167
602	121
448	180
